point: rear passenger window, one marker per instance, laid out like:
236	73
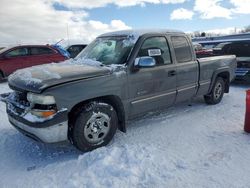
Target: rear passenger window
40	51
182	49
156	47
18	52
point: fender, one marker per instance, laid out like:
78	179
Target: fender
215	75
113	100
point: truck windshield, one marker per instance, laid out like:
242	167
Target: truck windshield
109	50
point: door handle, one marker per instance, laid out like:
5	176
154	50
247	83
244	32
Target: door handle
171	73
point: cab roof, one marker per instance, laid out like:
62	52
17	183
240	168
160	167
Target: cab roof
140	32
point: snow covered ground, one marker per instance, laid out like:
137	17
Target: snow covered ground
184	146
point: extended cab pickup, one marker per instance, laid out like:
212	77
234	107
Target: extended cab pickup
119	76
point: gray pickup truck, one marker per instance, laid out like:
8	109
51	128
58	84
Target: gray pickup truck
119	76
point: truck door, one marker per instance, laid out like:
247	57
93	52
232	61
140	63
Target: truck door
153	87
187	68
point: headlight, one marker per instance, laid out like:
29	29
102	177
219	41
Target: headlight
40	99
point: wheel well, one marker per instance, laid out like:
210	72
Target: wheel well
113	100
225	76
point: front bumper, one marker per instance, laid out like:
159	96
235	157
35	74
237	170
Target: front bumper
52	130
51	134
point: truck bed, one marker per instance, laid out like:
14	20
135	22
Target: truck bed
207	66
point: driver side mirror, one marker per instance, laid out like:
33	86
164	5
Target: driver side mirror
145	62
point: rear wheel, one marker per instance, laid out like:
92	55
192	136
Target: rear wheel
95	126
217	92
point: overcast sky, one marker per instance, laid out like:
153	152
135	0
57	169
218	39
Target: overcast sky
46	21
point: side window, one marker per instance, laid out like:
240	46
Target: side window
156	47
40	51
246	52
75	49
240	49
225	49
17	52
182	49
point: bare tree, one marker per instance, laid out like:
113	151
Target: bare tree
203	34
197	34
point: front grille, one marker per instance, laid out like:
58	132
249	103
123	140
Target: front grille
17	102
21	98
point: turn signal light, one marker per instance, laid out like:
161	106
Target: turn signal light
43	113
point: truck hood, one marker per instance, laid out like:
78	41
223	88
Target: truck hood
38	78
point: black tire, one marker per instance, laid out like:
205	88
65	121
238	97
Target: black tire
1	76
88	129
216	95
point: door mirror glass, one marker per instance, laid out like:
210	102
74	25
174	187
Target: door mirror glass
145	62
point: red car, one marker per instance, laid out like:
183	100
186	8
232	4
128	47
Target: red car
204	53
14	58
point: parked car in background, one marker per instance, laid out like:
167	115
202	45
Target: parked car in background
197	46
201	51
204	53
1	48
240	48
18	57
209	45
75	49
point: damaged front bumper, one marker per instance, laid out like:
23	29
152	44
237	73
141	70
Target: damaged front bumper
50	130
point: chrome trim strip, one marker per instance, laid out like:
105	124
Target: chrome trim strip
153	97
186	88
206	82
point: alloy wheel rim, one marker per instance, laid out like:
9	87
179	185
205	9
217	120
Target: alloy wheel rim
218	91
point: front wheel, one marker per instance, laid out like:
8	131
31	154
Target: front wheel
95	126
215	96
